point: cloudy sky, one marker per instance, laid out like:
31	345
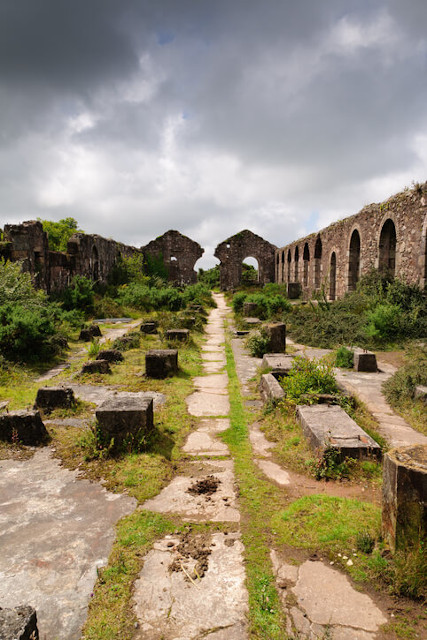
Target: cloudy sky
209	116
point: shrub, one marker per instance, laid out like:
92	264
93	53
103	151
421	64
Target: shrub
16	286
79	295
258	343
384	322
238	301
401	385
307	377
344	358
27	335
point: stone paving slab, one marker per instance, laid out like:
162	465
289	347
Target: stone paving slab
169	606
213	367
201	443
208	403
55	531
218	507
260	445
214	357
97	394
274	472
217	382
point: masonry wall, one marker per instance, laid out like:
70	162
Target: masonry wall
391	236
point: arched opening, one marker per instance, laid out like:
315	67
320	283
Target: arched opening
317	262
282	279
354	261
425	254
387	249
209	273
95	264
306	261
289	265
277	266
250	271
333	277
296	259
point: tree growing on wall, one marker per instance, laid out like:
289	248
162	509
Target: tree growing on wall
60	232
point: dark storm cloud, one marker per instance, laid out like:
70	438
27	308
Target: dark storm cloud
136	116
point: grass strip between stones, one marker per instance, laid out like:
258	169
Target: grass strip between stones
258	501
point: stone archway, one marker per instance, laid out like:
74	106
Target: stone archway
235	249
333	277
387	248
354	260
306	261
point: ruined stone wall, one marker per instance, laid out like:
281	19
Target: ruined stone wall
28	243
179	255
391	236
233	251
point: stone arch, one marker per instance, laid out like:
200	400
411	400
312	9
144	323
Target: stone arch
234	250
296	260
333	276
178	253
282	279
306	264
387	248
289	265
354	260
317	262
94	264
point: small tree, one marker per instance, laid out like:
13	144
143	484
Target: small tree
60	232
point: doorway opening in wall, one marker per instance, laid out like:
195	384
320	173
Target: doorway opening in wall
317	262
306	261
333	277
209	274
250	271
289	265
296	260
387	249
354	261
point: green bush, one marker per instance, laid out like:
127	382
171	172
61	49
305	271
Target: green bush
344	358
27	335
238	301
384	322
401	385
79	295
308	377
258	343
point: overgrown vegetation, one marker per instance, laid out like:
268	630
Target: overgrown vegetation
60	232
307	378
271	302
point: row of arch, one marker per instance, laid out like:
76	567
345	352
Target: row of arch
290	270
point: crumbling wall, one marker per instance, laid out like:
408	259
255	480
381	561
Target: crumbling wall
390	236
179	255
233	251
28	243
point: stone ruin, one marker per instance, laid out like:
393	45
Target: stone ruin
178	253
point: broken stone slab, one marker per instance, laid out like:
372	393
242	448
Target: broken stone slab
49	398
252	321
180	335
96	366
420	393
19	623
161	363
365	361
276	332
89	333
271	391
404	514
241	334
125	419
111	355
279	363
327	427
149	327
208	403
25	427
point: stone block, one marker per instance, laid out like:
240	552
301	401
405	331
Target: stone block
125	419
327	426
111	355
87	334
294	290
19	623
365	361
420	393
252	321
279	363
250	309
161	363
276	332
271	391
149	327
404	505
180	335
25	427
96	366
49	398
241	334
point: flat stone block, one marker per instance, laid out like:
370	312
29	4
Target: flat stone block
160	363
148	327
421	393
123	418
271	391
89	333
252	322
25	427
276	332
279	363
294	290
96	366
329	426
177	334
49	398
365	361
404	516
18	624
111	355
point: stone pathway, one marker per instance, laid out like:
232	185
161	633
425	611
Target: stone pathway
193	586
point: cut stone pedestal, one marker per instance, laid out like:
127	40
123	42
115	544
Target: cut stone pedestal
404	518
96	366
365	361
111	355
125	419
294	290
250	309
49	398
177	334
276	332
18	624
271	391
160	363
25	427
279	363
149	327
252	322
330	427
89	333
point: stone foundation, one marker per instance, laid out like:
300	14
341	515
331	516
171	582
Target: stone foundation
25	427
127	420
18	624
161	363
49	398
365	361
181	335
270	389
276	332
96	366
111	355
